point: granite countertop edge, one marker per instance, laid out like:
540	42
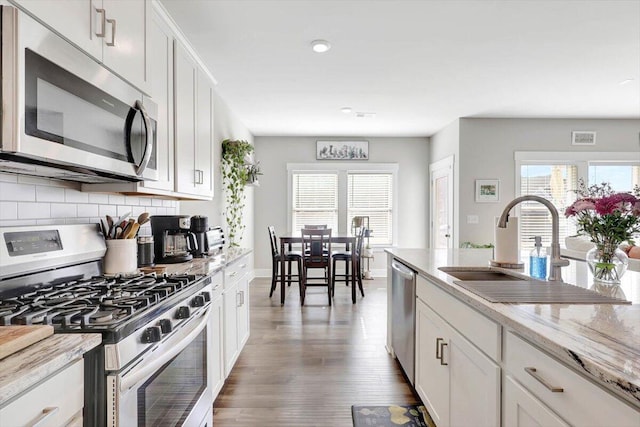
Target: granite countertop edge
614	377
29	366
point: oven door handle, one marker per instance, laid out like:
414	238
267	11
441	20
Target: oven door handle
148	148
144	369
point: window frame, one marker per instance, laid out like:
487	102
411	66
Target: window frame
343	169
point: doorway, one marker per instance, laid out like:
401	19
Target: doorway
441	202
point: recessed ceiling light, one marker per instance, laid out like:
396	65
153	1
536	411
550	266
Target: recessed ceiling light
365	115
320	46
624	82
346	110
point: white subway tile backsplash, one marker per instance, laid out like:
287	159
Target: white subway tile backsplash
131	200
87	210
124	210
156	202
45	193
81	221
18	192
34	210
8	210
63	210
8	177
17	222
75	196
116	199
168	203
137	210
107	210
98	198
161	211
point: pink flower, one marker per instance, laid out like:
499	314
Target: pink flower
615	202
635	210
580	205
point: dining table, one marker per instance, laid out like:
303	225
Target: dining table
289	239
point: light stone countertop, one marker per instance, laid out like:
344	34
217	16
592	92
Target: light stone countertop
40	360
602	341
206	265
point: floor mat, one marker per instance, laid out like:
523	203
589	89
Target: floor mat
390	416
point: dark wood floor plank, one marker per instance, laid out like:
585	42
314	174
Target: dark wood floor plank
306	366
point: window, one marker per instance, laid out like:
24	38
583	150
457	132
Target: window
333	194
315	199
371	195
555	175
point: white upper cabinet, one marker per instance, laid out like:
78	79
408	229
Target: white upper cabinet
111	31
194	126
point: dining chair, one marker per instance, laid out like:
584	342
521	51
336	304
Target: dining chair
346	256
316	254
315	227
289	258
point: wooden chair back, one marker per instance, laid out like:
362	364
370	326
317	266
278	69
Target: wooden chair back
316	246
274	240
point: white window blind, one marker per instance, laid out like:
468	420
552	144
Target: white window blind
315	199
555	183
371	195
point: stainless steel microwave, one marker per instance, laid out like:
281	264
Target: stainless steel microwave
66	116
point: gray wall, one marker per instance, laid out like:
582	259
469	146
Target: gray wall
411	155
487	148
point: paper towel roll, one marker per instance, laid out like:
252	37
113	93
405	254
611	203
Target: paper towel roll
506	241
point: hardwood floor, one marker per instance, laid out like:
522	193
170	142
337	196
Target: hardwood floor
306	366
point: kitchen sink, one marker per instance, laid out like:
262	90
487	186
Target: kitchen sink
465	273
498	286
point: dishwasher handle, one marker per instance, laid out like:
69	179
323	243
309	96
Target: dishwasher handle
402	270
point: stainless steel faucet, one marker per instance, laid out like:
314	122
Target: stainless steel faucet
557	262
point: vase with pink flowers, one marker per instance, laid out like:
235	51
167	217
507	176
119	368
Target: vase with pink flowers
609	218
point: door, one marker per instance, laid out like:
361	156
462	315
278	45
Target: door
243	311
441	184
216	356
231	302
522	409
185	118
204	136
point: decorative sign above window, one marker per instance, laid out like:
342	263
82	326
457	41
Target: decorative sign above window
342	150
583	137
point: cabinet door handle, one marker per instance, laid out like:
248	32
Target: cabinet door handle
442	362
199	176
113	32
438	348
238	299
233	273
103	22
46	413
241	297
534	373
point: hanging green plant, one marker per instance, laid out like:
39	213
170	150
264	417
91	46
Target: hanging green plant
234	177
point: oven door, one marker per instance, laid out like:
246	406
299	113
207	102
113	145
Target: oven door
68	110
170	386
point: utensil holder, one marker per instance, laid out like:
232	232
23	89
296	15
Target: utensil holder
121	256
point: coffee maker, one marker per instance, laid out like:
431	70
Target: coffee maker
173	240
199	227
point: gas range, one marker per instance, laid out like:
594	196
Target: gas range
152	326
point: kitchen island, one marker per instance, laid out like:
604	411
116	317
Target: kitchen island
601	342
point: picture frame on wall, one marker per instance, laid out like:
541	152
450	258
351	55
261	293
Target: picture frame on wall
342	150
487	190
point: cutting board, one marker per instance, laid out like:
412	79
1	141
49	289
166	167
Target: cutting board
15	338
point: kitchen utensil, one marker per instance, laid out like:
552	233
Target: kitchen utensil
123	217
143	218
109	225
133	231
15	338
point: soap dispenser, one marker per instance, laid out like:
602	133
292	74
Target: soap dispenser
538	260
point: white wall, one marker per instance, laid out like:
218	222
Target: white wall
411	155
226	126
487	148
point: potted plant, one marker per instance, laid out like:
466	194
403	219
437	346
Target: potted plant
235	176
253	170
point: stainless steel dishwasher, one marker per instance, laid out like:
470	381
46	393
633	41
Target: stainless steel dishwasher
403	316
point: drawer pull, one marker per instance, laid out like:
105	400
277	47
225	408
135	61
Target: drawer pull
442	362
46	413
534	373
233	273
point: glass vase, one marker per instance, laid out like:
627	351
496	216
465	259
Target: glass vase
607	263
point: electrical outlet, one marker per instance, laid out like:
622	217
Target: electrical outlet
473	219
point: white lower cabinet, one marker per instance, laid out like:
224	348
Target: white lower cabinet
236	311
216	359
58	401
522	409
548	386
458	384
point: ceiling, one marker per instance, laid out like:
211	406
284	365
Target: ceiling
418	65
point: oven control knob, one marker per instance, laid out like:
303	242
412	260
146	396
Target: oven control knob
165	326
207	296
183	312
152	334
197	301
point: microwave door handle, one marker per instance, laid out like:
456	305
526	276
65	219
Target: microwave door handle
148	148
